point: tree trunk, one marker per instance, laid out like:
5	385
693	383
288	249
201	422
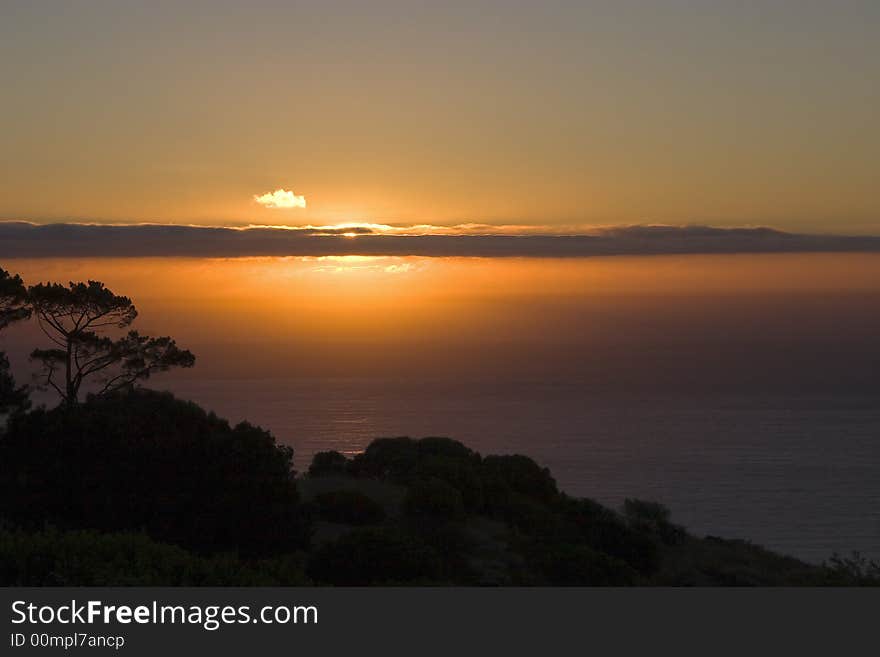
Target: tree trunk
70	388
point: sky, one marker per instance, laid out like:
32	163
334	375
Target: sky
549	113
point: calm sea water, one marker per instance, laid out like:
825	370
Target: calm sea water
796	474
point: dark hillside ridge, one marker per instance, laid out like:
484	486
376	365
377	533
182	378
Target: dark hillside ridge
140	488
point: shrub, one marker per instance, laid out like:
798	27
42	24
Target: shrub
604	530
652	518
87	558
13	398
145	461
522	475
578	565
646	512
461	474
375	556
447	448
328	463
401	459
854	570
433	498
348	506
530	517
391	458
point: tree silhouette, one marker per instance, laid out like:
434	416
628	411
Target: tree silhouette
76	319
13	308
13	299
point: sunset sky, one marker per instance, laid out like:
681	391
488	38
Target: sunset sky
543	113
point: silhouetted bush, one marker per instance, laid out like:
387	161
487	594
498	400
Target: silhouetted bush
13	398
528	516
401	459
446	448
449	540
648	513
375	556
328	463
88	558
715	561
578	565
433	498
462	474
854	570
519	474
348	506
147	461
652	518
387	458
605	531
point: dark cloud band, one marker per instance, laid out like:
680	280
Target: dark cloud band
20	239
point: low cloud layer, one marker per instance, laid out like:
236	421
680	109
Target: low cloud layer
281	198
20	239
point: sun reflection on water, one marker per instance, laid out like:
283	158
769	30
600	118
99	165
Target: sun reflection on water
351	264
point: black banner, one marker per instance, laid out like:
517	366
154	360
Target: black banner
229	621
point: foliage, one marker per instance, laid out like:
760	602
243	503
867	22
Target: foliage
714	561
602	529
87	558
445	448
13	398
375	556
522	475
433	498
348	507
13	308
75	319
855	570
13	299
407	461
462	474
565	564
328	463
652	518
387	458
142	460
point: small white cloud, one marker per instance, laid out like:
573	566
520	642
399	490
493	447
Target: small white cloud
281	198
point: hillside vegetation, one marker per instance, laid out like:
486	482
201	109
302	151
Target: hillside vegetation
140	488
